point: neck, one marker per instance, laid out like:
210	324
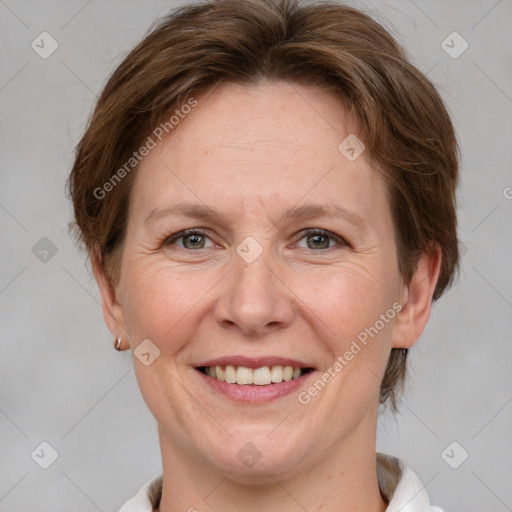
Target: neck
344	478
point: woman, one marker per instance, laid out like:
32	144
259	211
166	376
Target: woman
267	195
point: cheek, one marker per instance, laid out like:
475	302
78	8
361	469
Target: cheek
349	299
159	305
358	340
157	301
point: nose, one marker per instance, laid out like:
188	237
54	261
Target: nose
255	298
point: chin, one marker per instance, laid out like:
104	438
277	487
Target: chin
251	458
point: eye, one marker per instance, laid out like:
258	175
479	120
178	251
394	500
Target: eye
190	239
196	239
321	239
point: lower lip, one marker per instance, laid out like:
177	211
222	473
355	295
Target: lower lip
252	392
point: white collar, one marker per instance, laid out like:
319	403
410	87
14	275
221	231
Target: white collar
397	482
401	487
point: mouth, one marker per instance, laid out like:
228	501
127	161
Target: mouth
254	380
247	376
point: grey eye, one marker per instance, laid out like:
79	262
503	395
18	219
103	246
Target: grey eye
193	241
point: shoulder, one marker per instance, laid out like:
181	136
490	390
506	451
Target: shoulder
147	498
401	486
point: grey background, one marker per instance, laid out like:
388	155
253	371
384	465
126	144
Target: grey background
61	380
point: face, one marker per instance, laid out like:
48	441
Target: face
289	261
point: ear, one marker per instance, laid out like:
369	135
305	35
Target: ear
112	310
416	300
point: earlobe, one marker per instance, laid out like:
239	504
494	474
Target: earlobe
112	310
417	301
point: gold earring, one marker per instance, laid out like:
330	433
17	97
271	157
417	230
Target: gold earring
117	344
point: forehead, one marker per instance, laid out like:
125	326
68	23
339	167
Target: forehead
275	142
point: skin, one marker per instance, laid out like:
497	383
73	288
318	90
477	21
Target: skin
250	152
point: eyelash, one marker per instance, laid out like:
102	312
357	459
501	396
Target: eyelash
312	231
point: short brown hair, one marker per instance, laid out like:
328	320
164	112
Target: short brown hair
404	123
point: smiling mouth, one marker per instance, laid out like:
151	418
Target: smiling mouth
242	375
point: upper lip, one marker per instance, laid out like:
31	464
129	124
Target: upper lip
254	362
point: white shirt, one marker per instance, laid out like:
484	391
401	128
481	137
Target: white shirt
400	486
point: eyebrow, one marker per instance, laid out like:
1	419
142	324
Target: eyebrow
305	211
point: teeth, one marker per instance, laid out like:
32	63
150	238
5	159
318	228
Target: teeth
230	374
276	374
244	375
287	373
259	376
